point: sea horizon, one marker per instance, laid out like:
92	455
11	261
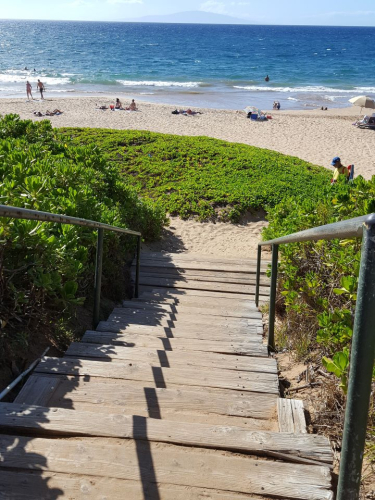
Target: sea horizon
204	65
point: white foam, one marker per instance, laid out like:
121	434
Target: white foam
19	78
146	83
307	89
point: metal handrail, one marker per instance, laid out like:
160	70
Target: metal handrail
24	213
363	340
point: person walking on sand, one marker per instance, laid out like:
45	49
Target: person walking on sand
40	88
28	90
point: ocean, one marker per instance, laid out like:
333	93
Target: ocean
217	66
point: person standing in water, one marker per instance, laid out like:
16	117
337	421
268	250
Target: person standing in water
40	88
28	90
267	79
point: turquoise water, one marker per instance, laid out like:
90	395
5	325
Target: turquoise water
203	65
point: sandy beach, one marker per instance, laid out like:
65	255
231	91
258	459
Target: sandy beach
315	136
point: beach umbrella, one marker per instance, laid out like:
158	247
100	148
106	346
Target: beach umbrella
253	109
363	102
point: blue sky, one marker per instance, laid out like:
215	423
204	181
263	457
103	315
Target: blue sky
316	12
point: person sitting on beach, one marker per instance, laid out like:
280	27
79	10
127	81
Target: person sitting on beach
28	90
118	104
339	169
132	106
40	88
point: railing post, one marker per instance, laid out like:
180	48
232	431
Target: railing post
271	317
258	276
361	364
98	278
136	288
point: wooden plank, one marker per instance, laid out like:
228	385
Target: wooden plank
248	334
187	273
206	310
189	301
175	292
244	348
16	485
126	396
218	278
202	285
155	463
162	377
59	421
197	315
186	297
189	315
165	358
187	257
38	389
291	416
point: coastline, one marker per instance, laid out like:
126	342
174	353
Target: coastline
312	135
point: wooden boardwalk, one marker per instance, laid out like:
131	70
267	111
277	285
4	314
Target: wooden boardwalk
173	397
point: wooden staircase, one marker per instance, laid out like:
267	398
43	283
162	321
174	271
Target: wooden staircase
173	397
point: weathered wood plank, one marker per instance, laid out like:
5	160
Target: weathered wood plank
244	348
171	358
291	416
175	292
38	389
154	463
150	268
60	421
51	485
219	278
206	310
250	334
186	297
128	396
186	257
202	285
191	315
162	377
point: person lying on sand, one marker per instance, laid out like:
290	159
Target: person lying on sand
38	113
101	107
54	112
185	112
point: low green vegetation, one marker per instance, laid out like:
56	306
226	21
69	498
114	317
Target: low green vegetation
46	270
317	287
202	177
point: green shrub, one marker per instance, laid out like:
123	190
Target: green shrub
203	177
45	269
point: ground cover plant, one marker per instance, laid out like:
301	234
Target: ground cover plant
46	270
317	289
203	177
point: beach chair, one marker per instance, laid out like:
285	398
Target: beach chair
370	123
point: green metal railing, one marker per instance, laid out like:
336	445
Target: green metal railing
363	341
23	213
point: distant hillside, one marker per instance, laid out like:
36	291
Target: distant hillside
191	17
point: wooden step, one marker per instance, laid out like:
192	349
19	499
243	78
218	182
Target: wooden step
159	463
58	421
244	348
251	410
172	358
162	377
